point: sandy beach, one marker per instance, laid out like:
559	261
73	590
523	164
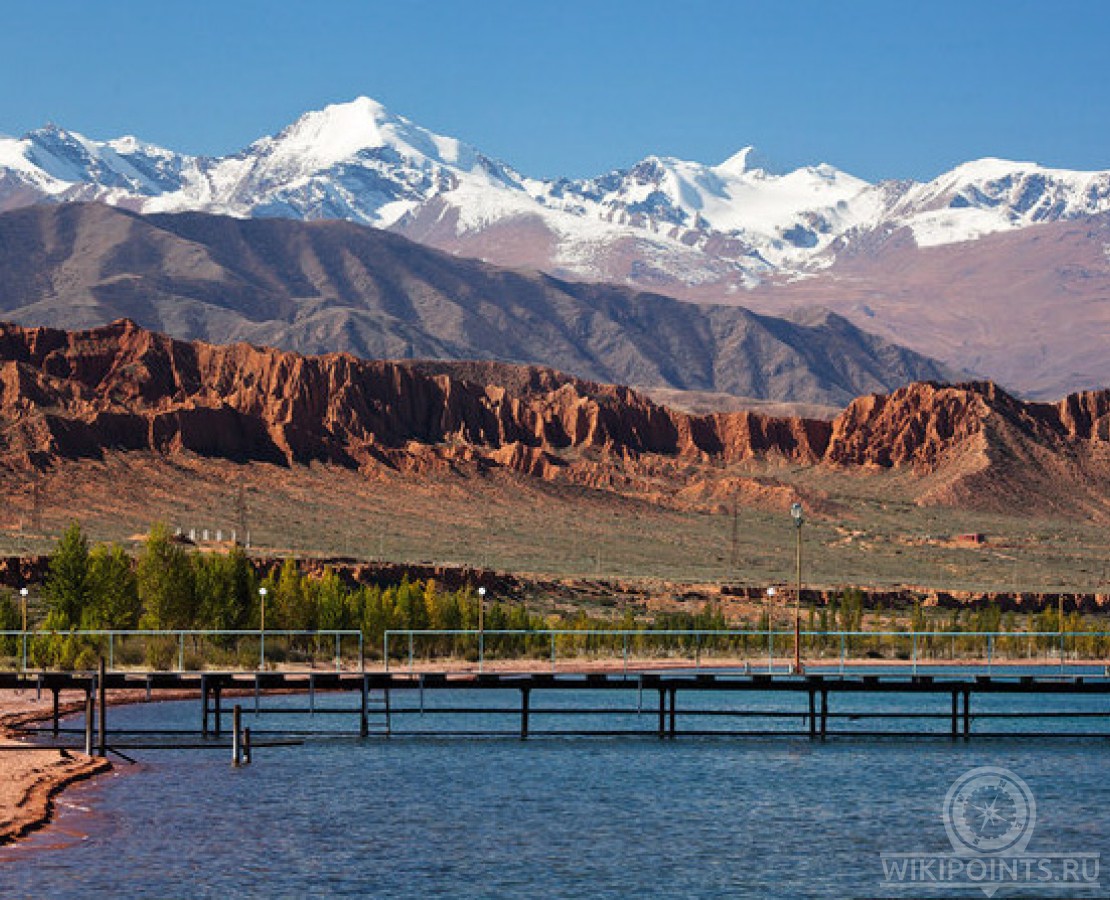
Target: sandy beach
30	778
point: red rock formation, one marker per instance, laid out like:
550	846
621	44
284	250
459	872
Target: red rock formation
78	394
920	426
74	394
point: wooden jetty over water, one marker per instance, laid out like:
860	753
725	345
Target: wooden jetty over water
666	704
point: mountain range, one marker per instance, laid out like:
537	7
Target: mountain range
316	287
734	232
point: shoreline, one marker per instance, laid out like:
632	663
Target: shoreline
31	778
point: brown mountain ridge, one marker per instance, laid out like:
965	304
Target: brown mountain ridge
121	388
319	287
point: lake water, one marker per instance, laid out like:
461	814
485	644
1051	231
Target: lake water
559	817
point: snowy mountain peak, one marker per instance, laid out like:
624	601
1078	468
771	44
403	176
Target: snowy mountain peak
659	222
740	163
342	131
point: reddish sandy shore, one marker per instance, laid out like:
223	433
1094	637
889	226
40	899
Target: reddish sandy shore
30	778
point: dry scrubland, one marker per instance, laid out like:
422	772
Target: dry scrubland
862	529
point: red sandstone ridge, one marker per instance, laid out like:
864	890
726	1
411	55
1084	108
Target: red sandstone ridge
72	394
69	395
982	447
924	425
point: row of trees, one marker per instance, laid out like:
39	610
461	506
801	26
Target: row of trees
171	587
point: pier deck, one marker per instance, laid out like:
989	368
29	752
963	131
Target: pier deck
667	704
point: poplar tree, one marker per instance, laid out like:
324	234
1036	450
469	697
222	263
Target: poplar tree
165	581
67	588
115	590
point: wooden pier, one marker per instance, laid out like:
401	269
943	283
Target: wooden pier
660	704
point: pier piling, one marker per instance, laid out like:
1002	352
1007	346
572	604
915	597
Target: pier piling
236	726
364	719
204	705
102	712
89	702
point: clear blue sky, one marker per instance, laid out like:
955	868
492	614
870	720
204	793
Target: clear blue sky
897	88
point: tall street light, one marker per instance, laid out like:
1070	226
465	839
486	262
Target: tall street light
768	606
481	627
262	629
23	596
796	514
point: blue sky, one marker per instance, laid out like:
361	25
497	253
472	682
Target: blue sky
881	89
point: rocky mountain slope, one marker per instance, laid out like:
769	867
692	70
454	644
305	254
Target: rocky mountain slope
706	232
324	286
73	395
1031	306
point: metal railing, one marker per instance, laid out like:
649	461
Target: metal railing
762	650
754	648
171	648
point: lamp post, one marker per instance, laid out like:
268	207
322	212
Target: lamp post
23	596
770	605
262	629
481	627
796	514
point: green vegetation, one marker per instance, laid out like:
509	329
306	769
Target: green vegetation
172	587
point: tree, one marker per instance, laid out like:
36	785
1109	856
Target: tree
918	622
291	603
10	620
67	588
225	588
411	611
330	602
115	590
166	583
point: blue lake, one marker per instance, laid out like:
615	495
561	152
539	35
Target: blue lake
562	817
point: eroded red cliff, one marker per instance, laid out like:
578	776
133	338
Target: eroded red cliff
120	387
72	394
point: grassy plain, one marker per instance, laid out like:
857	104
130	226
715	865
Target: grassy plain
862	529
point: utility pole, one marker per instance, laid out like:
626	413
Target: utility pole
241	514
796	514
735	557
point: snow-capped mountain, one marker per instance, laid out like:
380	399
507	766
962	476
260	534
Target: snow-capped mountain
661	222
992	195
